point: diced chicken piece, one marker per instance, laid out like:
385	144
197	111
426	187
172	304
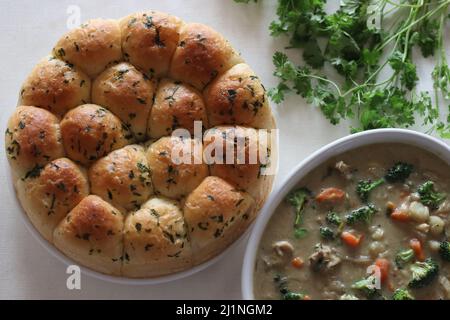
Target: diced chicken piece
283	248
324	258
344	169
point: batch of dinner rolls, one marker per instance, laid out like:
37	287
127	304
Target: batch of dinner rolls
90	145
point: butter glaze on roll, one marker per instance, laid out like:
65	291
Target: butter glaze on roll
216	213
156	240
32	139
92	233
202	54
177	105
149	40
128	94
56	86
90	132
238	97
48	196
92	47
122	178
169	178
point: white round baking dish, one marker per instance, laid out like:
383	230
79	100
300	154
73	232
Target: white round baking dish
335	148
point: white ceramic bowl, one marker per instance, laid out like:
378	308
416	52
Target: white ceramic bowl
340	146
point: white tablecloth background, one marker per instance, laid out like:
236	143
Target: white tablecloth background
29	29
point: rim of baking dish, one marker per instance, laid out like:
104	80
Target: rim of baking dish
405	136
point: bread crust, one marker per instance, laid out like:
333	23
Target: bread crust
156	240
201	55
92	47
48	197
238	97
247	175
90	132
122	178
56	86
32	139
149	40
216	213
177	105
128	94
92	234
169	178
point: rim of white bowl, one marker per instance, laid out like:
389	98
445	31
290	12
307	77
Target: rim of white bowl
109	278
417	139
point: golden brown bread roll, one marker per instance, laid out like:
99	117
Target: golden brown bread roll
56	86
149	40
238	97
32	139
122	178
128	94
49	196
245	172
155	240
169	178
202	54
92	46
90	132
177	105
216	214
92	234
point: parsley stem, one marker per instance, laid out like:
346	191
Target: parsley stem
402	5
428	14
326	80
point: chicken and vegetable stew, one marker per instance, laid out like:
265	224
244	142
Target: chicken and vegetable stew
372	223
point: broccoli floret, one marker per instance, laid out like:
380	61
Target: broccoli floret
326	233
363	214
404	257
297	199
428	196
286	294
293	296
423	273
348	296
402	294
368	287
365	186
399	172
444	250
334	219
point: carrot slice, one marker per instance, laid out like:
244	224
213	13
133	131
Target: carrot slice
350	239
297	262
416	245
383	265
332	195
400	215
